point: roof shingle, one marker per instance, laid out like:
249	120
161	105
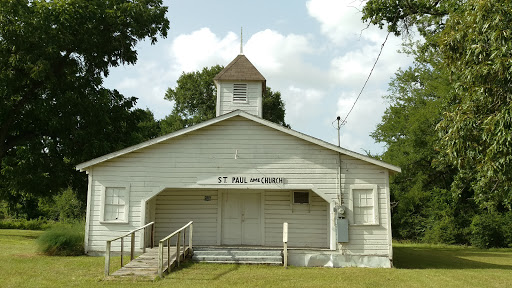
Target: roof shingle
240	69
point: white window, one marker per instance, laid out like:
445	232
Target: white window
240	92
115	203
364	205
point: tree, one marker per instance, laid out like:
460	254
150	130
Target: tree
467	44
476	47
54	112
195	98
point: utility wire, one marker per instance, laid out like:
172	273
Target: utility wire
371	71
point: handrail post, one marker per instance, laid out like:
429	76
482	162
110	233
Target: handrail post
285	244
178	250
152	235
169	255
107	259
190	239
122	245
144	234
184	241
160	259
132	246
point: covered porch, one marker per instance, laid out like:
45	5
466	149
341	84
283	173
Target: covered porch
244	217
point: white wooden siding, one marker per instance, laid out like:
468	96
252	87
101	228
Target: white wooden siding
208	152
307	223
175	208
254	98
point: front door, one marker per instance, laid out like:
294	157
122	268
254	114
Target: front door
241	219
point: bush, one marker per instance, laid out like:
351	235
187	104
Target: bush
23	224
63	207
63	240
488	231
442	231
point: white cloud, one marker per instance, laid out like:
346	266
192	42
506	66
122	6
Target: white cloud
341	21
274	52
202	48
361	121
302	105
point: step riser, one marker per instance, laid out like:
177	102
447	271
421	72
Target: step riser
240	258
273	257
237	253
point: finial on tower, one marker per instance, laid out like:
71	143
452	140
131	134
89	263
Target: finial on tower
241	42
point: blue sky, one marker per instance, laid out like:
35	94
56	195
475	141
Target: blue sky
315	52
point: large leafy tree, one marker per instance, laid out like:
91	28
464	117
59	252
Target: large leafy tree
54	112
467	45
425	206
476	47
472	42
195	97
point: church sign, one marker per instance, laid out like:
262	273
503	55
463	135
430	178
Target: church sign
242	179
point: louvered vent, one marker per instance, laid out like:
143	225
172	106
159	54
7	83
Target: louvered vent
240	92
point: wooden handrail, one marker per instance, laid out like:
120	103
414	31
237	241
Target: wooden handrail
132	244
178	247
133	231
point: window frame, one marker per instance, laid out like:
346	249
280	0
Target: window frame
375	196
298	191
126	197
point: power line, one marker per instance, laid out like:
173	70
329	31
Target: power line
371	71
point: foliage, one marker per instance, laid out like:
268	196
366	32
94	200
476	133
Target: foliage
476	46
273	107
408	130
428	16
448	125
54	112
491	230
24	224
195	97
63	207
63	240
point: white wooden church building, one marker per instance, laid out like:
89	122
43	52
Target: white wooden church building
239	177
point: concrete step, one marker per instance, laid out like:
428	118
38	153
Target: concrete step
238	255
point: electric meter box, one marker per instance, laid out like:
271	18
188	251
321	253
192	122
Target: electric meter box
342	230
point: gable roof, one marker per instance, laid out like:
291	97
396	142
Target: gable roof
83	166
240	69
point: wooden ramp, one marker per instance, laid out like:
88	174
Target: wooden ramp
146	265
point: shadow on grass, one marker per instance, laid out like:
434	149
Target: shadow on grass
204	271
450	258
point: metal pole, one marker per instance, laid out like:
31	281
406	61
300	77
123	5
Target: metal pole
339	128
285	244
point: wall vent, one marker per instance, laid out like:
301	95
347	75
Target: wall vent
240	92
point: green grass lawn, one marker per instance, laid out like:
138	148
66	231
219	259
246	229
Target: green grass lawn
416	265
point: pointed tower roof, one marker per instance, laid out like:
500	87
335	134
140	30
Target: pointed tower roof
240	69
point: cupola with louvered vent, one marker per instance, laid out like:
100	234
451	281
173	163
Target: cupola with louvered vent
240	86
